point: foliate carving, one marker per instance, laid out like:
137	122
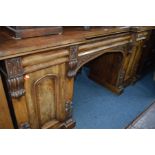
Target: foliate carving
121	79
15	77
86	58
134	78
121	48
16	87
124	49
73	60
68	109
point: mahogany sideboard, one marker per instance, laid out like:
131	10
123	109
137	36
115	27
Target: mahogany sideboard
38	73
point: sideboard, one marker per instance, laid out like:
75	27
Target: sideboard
38	73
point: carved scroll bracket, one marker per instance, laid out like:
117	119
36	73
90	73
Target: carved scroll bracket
15	77
73	60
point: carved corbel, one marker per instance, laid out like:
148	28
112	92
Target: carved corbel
15	77
124	49
73	60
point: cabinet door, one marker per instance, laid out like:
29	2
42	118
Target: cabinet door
5	118
45	97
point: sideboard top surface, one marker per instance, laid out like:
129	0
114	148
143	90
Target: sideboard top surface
10	47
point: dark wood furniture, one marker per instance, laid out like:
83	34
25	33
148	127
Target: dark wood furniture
40	71
116	71
19	32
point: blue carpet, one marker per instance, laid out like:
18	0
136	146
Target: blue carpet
95	107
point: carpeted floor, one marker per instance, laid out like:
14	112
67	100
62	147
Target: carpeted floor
95	107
